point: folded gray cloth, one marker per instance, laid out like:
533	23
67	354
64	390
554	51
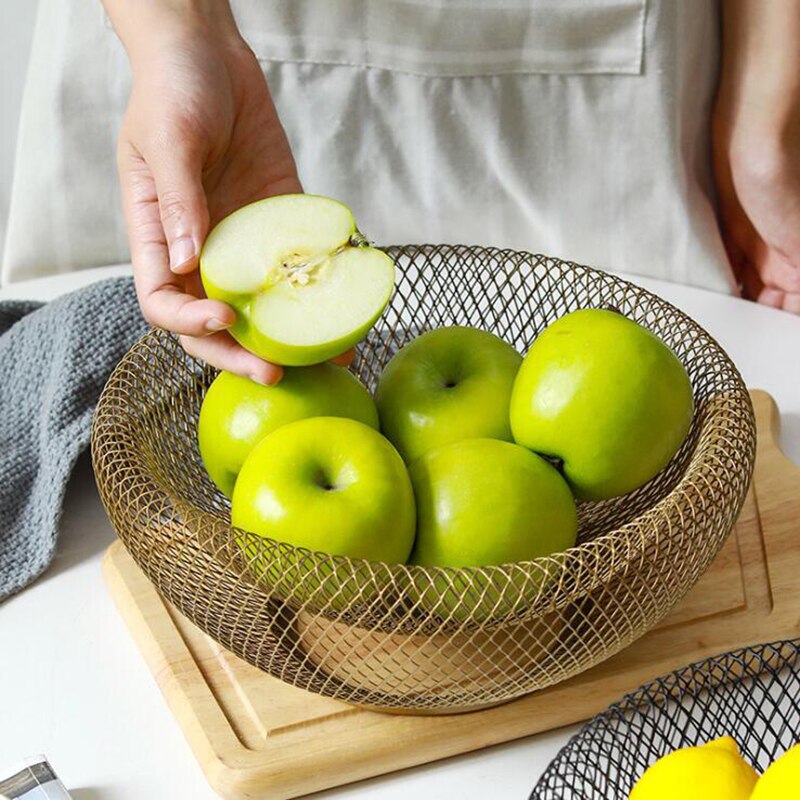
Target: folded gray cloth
54	361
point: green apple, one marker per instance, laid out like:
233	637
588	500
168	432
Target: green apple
484	502
448	384
607	397
326	484
303	281
237	413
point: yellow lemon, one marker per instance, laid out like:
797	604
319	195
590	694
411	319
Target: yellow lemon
713	771
782	780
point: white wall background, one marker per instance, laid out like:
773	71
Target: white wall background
16	30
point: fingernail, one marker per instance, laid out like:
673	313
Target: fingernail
271	381
180	252
215	324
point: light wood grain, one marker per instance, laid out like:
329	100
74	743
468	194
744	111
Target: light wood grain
256	737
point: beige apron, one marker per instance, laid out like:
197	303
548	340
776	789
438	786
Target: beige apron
578	128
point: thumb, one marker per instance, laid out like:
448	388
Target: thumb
183	207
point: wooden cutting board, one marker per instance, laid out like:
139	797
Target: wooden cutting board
256	737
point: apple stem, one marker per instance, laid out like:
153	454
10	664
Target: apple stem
359	240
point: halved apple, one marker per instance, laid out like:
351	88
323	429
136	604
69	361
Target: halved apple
304	283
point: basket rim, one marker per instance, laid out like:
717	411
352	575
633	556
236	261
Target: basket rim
555	564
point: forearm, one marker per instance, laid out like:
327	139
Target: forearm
142	24
760	77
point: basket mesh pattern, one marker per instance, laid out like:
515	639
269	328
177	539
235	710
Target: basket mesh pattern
428	639
752	695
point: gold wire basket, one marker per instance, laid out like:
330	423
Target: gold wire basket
415	639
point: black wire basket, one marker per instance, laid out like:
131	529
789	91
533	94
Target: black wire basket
752	695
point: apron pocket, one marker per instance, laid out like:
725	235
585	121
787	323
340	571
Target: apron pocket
450	38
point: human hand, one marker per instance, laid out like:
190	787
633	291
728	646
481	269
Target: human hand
200	138
756	150
758	184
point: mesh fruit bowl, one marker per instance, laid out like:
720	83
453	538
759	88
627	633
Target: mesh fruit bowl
408	638
751	694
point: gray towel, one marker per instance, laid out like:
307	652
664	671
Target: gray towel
54	361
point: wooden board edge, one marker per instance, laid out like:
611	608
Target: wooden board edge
776	487
768	421
768	440
152	636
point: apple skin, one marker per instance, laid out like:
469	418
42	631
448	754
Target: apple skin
328	484
483	502
448	384
606	396
237	413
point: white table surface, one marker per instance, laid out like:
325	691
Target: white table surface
74	686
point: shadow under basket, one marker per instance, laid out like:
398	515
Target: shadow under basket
407	638
752	695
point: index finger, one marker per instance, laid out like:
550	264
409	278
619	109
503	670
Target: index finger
162	297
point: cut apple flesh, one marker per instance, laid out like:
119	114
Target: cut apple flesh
304	282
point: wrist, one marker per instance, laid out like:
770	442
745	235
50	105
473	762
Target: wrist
759	149
761	120
147	26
